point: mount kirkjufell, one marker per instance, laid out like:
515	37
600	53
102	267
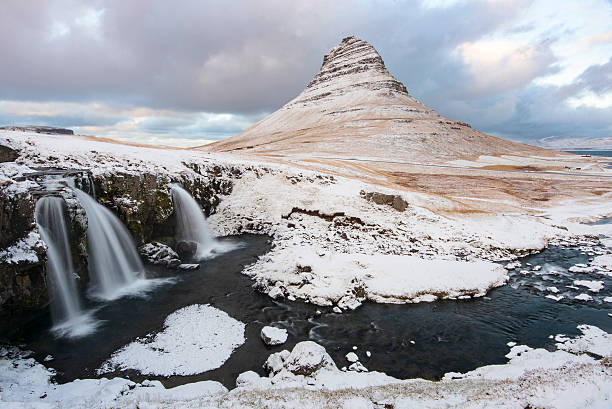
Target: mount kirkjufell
353	106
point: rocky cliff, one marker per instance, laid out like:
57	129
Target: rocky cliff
138	196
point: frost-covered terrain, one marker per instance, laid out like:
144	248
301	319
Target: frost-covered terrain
196	339
336	241
307	377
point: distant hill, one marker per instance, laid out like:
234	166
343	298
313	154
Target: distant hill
39	129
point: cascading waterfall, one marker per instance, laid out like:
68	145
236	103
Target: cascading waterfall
68	316
114	264
192	226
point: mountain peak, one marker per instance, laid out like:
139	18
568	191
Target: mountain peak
353	64
352	51
353	107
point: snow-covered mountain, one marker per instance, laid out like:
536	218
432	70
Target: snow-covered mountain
353	106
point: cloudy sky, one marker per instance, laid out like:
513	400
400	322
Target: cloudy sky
183	72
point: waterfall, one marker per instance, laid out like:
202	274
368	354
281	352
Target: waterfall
114	264
192	226
68	317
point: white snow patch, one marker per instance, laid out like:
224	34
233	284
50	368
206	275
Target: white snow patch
352	357
593	286
555	297
593	340
603	261
24	383
273	335
23	251
583	297
195	339
347	279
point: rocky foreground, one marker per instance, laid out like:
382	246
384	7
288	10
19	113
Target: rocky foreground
574	376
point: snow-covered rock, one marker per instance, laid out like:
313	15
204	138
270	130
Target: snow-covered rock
195	339
352	357
247	378
273	336
160	254
308	357
357	367
275	361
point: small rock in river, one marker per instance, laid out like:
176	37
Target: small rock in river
273	335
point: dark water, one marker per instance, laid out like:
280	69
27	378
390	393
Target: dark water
593	153
448	335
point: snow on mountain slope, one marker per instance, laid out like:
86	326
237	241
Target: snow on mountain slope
354	107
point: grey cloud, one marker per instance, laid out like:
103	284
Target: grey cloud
215	56
248	58
597	79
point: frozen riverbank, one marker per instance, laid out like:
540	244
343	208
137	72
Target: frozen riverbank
307	377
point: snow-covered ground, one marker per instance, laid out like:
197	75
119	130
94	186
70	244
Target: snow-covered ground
330	224
307	377
347	279
332	245
195	339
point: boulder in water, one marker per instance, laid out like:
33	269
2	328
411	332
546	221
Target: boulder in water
273	336
159	254
186	249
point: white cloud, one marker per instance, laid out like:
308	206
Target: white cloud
591	99
578	32
439	4
88	21
496	66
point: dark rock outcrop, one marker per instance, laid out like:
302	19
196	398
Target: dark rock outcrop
23	282
395	201
52	130
7	154
160	254
16	216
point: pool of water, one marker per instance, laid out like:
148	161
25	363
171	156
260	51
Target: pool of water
607	154
604	153
446	335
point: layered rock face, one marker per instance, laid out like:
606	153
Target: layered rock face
354	108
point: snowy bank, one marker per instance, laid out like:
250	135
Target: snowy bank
347	279
307	377
195	339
